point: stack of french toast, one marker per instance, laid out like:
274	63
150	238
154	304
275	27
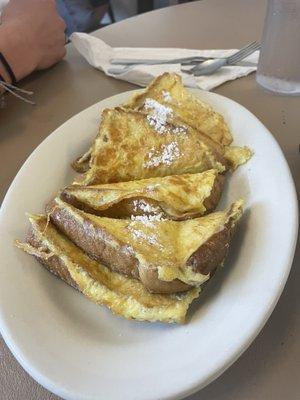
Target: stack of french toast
137	230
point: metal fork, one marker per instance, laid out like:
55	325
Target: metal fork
137	61
210	66
120	66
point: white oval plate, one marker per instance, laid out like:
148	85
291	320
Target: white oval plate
81	351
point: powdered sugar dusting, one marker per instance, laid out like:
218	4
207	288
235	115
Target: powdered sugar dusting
141	205
151	188
148	218
179	296
166	156
159	116
166	95
141	235
180	129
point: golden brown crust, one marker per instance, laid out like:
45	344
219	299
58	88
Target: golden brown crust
95	241
54	264
123	209
79	166
82	164
173	197
212	253
67	196
98	245
140	153
192	110
125	296
94	237
212	201
149	277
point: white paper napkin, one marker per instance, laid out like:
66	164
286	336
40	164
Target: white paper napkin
98	54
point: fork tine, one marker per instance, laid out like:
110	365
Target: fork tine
241	53
236	55
253	46
249	45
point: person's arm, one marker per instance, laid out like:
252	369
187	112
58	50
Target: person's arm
31	36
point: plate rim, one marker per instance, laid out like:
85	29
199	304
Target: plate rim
197	385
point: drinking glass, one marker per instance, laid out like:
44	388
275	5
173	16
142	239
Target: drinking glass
279	61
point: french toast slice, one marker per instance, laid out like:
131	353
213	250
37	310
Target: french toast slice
167	256
124	296
174	197
128	147
165	130
168	90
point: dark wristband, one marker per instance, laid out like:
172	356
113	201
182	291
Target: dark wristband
8	69
2	101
